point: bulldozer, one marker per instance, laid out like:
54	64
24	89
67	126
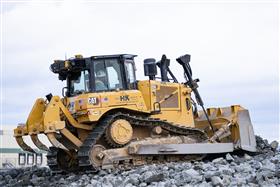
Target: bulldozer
108	119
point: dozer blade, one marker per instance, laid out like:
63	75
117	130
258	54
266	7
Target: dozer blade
38	143
233	122
23	145
55	142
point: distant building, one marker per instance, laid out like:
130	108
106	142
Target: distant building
11	155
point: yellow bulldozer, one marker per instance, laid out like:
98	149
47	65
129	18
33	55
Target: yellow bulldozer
109	119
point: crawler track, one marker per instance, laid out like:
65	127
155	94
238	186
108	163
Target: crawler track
52	160
136	120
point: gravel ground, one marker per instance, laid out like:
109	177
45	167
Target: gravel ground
228	170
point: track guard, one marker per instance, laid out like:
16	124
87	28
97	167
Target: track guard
246	131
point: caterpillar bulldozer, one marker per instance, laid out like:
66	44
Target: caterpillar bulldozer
106	118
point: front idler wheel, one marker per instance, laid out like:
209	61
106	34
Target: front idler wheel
96	155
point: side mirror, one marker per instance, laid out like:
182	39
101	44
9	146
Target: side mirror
163	64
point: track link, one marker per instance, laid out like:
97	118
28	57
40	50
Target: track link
90	141
52	160
84	151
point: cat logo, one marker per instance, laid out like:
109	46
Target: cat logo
124	98
93	100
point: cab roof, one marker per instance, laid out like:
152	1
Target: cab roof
129	56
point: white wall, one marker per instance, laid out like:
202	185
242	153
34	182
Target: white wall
7	141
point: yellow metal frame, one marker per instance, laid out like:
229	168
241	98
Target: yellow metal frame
46	119
85	110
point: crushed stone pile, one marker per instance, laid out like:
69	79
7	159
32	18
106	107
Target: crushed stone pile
238	169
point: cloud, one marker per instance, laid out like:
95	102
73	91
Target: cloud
234	47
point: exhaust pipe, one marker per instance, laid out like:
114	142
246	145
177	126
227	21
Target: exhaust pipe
163	64
150	68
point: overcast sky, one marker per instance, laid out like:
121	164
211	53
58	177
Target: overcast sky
234	48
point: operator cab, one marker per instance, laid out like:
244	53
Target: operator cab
96	73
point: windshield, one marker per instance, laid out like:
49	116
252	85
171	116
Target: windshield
79	83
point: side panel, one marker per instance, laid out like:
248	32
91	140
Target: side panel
90	107
168	95
145	88
172	98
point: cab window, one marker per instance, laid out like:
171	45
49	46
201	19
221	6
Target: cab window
79	82
130	75
107	75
